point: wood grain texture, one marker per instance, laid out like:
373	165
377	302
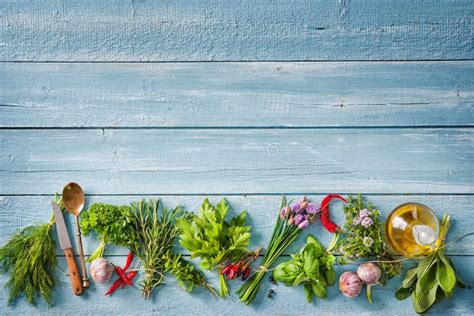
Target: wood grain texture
256	94
19	211
171	300
238	161
246	30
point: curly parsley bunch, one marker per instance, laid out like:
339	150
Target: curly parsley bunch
113	225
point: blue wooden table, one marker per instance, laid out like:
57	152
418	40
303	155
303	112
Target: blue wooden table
252	99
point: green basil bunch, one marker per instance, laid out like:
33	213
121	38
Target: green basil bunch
312	267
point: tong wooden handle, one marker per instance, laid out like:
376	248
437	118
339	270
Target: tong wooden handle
74	275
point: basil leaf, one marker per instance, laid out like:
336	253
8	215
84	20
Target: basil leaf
310	239
319	290
311	266
445	274
299	279
330	276
308	291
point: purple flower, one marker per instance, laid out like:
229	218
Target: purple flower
356	221
312	208
366	222
299	218
303	224
364	213
285	212
295	208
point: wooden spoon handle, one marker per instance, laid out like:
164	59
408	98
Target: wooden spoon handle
85	279
74	275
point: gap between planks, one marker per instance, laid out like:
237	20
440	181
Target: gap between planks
270	127
440	60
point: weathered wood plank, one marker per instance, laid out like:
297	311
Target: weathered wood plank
20	211
245	30
238	161
171	300
255	94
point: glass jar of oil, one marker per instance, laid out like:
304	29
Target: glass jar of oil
411	230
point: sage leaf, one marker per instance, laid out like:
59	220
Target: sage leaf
410	278
460	282
427	281
425	265
403	293
445	274
423	300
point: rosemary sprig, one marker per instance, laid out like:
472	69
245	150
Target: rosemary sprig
156	233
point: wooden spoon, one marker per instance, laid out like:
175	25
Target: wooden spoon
73	200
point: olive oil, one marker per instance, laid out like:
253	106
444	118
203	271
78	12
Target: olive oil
411	230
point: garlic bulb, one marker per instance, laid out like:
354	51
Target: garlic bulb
101	270
350	284
369	273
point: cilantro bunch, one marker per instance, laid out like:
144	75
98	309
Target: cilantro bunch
113	225
209	236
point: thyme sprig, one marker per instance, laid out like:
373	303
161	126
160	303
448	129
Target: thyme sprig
363	237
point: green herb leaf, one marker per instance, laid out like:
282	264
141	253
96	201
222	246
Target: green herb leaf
410	278
422	300
403	293
319	290
299	279
209	236
308	291
445	274
425	265
460	282
311	266
113	225
330	276
365	242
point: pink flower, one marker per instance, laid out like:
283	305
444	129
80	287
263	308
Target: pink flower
366	222
303	224
298	219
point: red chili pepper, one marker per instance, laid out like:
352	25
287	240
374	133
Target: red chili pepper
246	274
114	287
125	278
325	219
226	270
